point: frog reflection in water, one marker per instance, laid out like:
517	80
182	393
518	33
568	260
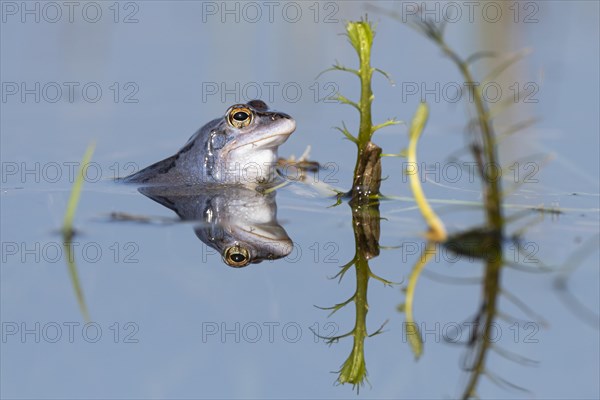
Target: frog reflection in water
238	222
240	147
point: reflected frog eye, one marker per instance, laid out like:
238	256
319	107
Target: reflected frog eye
236	256
239	117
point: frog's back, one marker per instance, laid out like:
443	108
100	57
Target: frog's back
179	168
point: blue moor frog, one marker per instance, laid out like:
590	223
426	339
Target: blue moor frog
238	148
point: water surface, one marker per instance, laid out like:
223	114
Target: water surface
175	321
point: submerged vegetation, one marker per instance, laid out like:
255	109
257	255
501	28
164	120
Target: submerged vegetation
483	244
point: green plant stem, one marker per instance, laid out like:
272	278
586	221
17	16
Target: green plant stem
437	231
414	336
73	274
354	369
493	209
361	37
76	193
366	96
491	183
491	289
68	231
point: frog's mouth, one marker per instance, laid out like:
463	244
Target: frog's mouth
265	142
267	239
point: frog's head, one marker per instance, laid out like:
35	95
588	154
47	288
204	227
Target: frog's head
244	245
246	140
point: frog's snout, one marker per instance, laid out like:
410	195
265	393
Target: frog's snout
288	123
283	115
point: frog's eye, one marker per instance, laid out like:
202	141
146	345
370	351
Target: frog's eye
236	256
239	117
